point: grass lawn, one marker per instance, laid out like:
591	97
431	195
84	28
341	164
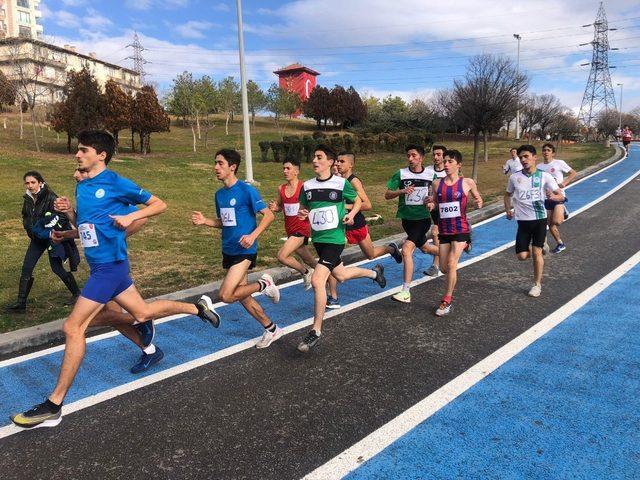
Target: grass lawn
170	254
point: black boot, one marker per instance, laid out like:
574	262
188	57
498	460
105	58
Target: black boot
24	287
70	283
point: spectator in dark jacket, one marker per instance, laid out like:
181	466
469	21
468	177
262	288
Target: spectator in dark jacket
37	211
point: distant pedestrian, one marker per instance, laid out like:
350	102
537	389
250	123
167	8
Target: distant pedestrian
627	136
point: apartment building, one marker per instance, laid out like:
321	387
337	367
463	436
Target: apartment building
47	66
20	18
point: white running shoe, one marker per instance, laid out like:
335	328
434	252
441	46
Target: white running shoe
545	248
403	296
443	309
535	291
306	279
272	290
269	337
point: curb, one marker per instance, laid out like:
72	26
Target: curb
49	334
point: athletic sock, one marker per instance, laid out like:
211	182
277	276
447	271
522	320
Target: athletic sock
447	299
263	285
374	273
52	406
271	327
150	350
405	286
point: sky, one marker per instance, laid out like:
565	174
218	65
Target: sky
409	48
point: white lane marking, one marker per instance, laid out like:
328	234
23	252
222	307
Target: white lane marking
178	369
374	443
95	338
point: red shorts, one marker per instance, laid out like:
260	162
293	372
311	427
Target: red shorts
357	235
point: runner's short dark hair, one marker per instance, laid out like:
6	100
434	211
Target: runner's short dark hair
527	148
514	148
293	161
549	145
347	153
231	156
328	151
34	174
417	148
455	154
100	140
439	147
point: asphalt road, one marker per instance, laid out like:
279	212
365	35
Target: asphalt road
277	414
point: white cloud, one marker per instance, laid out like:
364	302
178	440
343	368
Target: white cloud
147	4
193	29
66	19
221	7
138	4
96	20
74	3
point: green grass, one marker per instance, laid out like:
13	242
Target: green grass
170	254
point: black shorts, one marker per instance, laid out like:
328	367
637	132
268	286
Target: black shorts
416	230
551	204
329	254
229	261
531	232
626	143
456	237
301	235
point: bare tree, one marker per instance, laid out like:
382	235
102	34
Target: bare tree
7	95
485	98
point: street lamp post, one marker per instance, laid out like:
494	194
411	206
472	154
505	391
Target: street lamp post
620	112
517	37
245	103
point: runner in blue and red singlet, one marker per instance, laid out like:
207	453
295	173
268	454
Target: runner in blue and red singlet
450	199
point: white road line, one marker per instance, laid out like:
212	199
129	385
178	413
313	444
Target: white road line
178	369
372	444
95	338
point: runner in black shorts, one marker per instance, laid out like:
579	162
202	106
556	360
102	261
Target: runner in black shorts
438	173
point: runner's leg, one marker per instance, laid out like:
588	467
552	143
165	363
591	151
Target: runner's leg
285	254
319	281
370	251
450	262
233	289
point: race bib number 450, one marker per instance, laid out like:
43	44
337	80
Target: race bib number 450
417	196
324	218
88	235
449	209
228	217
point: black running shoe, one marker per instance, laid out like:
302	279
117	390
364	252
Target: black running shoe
380	280
41	415
206	312
395	252
308	342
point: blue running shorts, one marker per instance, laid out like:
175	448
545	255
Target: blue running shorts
106	281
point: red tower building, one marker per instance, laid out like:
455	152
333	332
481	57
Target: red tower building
299	79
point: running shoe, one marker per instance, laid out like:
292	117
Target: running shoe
468	248
40	415
443	309
545	248
269	337
308	342
332	303
306	279
380	280
147	360
403	296
395	252
147	331
432	271
559	248
272	290
206	312
535	291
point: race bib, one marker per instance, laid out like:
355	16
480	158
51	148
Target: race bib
417	196
531	195
228	217
88	235
324	218
449	209
291	209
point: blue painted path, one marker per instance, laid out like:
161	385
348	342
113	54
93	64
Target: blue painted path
187	338
568	406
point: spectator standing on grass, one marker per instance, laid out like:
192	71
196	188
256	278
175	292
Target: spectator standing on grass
38	211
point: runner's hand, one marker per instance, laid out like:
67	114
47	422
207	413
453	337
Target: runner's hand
408	190
510	214
62	205
348	219
121	221
431	205
197	218
273	206
303	214
247	240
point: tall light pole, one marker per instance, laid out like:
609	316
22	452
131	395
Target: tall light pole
517	37
245	103
620	112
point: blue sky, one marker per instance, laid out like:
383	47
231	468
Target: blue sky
409	48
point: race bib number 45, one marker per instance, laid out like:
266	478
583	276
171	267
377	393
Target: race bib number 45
228	217
449	209
88	235
417	196
324	218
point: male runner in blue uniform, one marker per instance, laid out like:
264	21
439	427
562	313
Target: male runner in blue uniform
103	200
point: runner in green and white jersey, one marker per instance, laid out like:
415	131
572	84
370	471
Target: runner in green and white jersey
323	199
528	190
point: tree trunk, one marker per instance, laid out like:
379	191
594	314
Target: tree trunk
193	134
508	123
226	124
147	143
476	148
4	122
486	146
143	147
115	137
198	125
22	122
318	121
133	141
68	142
253	119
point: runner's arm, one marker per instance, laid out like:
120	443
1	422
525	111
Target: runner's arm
276	205
473	188
432	201
570	178
366	203
154	206
267	218
507	205
197	218
357	204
